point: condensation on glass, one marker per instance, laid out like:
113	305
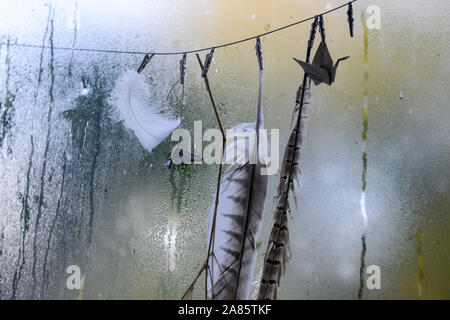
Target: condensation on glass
78	189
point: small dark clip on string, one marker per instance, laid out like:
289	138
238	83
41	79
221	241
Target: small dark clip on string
350	18
208	60
312	35
322	29
145	62
259	53
182	73
182	68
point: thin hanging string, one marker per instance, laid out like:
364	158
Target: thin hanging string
206	267
27	45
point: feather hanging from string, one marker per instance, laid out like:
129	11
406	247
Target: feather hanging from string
238	224
132	103
276	253
239	216
293	151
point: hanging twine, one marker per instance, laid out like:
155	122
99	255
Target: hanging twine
350	21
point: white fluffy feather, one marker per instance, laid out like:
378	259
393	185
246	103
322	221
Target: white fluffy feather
132	103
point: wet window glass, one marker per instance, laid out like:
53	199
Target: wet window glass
90	211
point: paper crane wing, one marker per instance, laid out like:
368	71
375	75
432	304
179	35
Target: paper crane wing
316	73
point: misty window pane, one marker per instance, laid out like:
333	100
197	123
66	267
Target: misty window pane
80	193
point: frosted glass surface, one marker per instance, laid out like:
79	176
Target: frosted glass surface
79	189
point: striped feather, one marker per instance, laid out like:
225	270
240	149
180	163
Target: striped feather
238	223
276	254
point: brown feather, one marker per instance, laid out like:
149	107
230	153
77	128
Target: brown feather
276	254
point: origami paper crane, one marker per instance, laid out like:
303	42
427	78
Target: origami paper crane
321	69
